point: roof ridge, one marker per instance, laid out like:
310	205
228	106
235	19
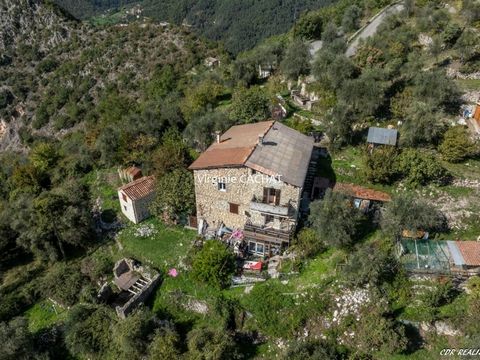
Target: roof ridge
256	145
135	182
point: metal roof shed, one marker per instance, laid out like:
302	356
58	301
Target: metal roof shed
382	136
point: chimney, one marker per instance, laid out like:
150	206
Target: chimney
217	135
260	139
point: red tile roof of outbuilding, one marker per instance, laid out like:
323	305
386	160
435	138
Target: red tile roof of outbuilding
139	188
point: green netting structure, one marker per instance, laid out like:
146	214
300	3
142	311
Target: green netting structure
424	255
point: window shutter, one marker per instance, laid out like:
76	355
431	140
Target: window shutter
265	195
277	197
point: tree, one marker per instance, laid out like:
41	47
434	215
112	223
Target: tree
312	350
333	70
249	105
381	165
17	341
308	242
309	26
172	154
209	344
88	331
296	61
200	97
435	88
351	19
423	125
131	336
408	213
370	264
467	45
44	156
419	168
330	33
214	264
164	345
471	10
175	196
161	83
335	220
63	283
377	333
339	125
200	130
457	145
54	219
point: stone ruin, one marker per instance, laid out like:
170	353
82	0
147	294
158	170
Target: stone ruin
135	282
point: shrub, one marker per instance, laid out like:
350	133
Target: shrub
309	243
457	145
214	264
335	220
381	165
420	168
63	283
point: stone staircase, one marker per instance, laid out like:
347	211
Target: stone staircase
309	178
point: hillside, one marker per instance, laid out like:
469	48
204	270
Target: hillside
54	69
240	25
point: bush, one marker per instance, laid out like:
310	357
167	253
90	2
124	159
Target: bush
214	264
63	283
308	242
420	168
457	145
381	165
335	220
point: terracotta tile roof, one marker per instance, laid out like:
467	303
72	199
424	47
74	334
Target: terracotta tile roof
284	152
234	148
134	171
470	251
139	188
361	192
476	114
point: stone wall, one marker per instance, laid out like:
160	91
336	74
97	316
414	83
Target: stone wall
138	299
242	184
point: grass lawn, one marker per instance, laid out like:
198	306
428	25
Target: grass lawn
104	185
165	247
43	315
469	84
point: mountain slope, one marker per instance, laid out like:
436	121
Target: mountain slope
239	24
51	85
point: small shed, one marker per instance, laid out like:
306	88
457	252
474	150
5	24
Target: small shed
465	254
382	136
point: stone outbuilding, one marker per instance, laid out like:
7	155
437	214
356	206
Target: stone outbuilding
135	198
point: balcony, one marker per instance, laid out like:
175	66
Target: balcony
271	209
268	234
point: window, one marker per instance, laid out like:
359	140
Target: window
271	196
124	197
222	186
125	207
233	208
256	248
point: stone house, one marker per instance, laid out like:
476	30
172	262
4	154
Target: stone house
135	198
252	179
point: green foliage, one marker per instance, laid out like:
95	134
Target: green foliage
17	342
309	243
271	309
172	154
6	98
249	105
309	26
208	344
296	62
370	264
175	196
377	333
420	168
131	336
163	81
351	19
381	164
44	156
423	125
311	349
406	212
200	130
199	98
99	264
88	331
335	219
457	145
63	284
164	345
214	264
